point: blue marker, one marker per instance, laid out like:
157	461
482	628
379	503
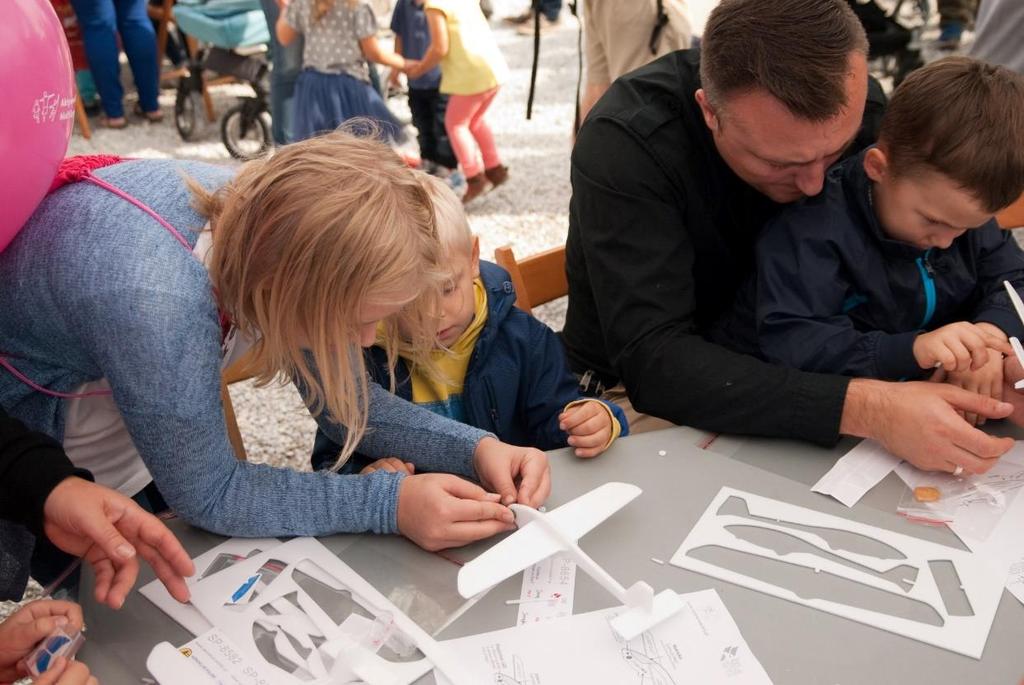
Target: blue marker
241	591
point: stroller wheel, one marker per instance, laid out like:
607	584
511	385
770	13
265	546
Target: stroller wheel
245	130
189	113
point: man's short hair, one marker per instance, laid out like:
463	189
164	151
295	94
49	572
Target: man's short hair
797	51
964	119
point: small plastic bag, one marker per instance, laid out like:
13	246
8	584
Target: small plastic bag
58	643
940	499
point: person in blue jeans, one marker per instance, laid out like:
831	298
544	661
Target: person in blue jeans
102	21
286	61
426	103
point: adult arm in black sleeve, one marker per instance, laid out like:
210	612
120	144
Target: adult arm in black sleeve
639	257
31	466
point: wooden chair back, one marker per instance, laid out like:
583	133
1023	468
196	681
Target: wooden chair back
538	279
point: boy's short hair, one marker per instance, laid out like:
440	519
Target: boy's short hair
450	218
798	51
964	119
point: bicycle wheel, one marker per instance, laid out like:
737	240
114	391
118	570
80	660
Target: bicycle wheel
245	131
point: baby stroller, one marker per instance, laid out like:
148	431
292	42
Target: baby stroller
232	36
894	37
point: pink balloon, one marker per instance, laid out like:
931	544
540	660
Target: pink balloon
38	108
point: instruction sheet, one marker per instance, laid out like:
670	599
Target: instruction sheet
700	644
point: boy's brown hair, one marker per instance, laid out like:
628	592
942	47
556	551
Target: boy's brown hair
797	51
964	119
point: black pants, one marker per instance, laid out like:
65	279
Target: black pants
428	108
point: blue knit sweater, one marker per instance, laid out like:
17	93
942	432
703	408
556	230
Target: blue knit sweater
94	288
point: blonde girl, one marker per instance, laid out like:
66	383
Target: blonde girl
123	311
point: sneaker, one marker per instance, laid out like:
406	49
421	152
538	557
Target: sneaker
475	187
949	35
497	174
546	25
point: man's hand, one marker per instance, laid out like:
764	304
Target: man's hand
959	346
919	422
439	510
518	474
107	529
988	381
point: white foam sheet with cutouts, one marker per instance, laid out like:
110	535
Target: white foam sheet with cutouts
212	595
981	581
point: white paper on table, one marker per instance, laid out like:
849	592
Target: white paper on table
210	659
186	614
548	588
700	644
861	469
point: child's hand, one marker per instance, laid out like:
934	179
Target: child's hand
988	380
439	510
501	467
589	426
412	68
959	346
64	672
27	626
393	77
391	465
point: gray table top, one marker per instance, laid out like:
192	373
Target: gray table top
795	644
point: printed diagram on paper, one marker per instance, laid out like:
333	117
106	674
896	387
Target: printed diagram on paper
548	589
700	644
928	592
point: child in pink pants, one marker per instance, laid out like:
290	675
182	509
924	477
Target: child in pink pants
472	70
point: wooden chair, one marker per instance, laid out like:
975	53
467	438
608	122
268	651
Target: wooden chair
538	279
239	371
1012	216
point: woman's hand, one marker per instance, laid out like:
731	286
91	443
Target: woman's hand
108	530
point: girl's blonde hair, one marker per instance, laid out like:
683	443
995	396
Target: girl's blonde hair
301	242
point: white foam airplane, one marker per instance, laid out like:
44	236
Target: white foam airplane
542	534
1014	342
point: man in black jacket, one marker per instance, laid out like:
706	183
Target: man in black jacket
675	171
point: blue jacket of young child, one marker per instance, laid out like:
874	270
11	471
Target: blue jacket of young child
517	382
834	294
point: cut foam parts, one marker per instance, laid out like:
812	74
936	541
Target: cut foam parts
830	576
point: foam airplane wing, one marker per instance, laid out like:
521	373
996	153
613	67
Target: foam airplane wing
534	542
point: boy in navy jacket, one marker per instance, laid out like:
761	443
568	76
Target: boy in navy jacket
499	368
897	266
